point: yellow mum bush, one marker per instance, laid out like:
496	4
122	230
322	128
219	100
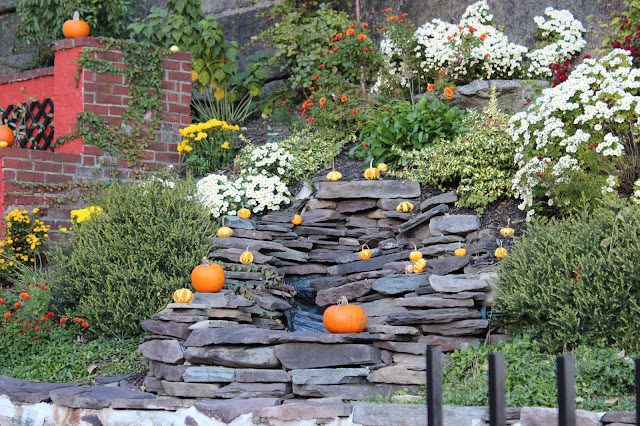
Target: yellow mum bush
24	238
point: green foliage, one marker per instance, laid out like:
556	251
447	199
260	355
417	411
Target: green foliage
224	109
183	23
604	376
123	265
301	38
142	115
573	281
479	162
404	126
63	360
41	21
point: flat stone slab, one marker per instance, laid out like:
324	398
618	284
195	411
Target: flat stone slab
190	390
446	198
351	291
304	411
391	329
443	239
350	392
410	361
321	215
172	373
457	328
392	203
381	307
94	398
399	283
230	409
254	390
368	189
271	302
457	283
432	316
357	205
295	356
423	217
229	314
233	356
397	374
454	224
391	414
328	376
252	234
23	391
447	343
166	404
619	417
259	375
213	324
447	265
405	347
438	249
167	328
166	351
433	302
209	374
217	300
543	416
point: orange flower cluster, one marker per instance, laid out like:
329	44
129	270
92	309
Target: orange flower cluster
448	91
387	10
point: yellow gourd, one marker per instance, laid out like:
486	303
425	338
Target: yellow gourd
246	258
183	295
460	251
420	266
371	173
244	213
507	231
365	253
404	207
224	231
383	167
334	175
500	252
415	255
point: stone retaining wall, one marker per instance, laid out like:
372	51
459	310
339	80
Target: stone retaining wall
223	345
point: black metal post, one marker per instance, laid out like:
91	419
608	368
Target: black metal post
434	386
566	391
638	391
497	404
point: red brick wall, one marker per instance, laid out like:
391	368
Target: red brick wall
23	171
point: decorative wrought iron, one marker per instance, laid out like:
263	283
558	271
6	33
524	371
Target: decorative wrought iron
33	120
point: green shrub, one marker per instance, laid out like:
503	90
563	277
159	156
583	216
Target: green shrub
604	376
575	280
479	162
123	265
63	360
41	21
404	126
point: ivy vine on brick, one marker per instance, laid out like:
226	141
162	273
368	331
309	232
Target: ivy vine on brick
141	118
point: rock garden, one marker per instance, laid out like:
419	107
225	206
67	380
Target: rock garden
343	200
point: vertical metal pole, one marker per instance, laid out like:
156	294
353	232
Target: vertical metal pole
566	391
638	391
497	405
434	386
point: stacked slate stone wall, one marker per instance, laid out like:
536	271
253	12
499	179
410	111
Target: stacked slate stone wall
225	345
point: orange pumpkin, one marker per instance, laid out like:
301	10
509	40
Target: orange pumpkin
415	255
208	277
344	318
75	27
297	219
461	251
6	135
244	213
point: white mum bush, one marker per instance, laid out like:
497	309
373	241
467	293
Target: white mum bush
578	140
271	157
257	192
476	49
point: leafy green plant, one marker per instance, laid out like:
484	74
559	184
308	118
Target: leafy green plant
400	126
183	23
41	21
604	376
573	281
479	163
223	109
300	39
123	265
